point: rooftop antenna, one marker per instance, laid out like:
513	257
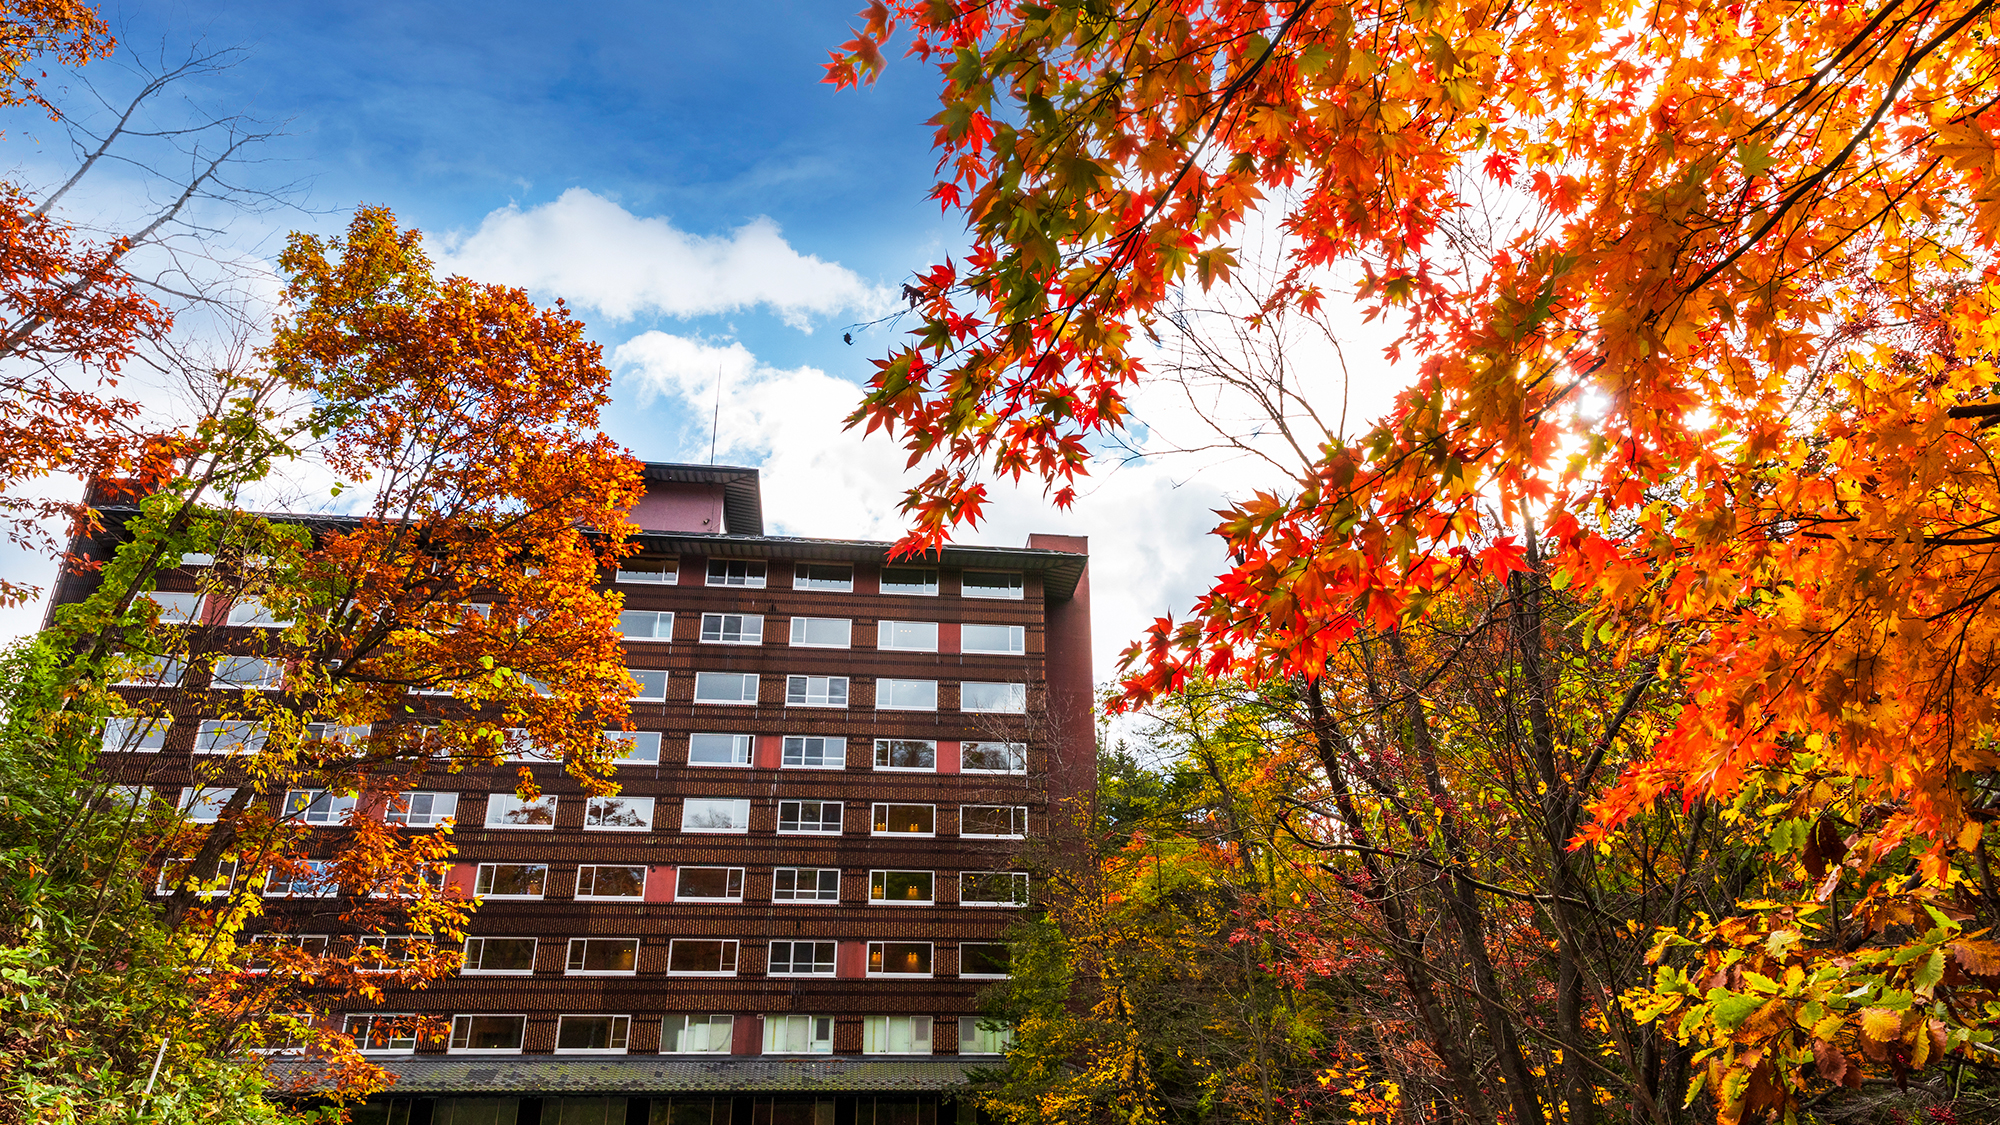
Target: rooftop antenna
715	423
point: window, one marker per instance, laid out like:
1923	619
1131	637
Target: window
701	958
736	572
382	1033
383	952
499	956
634	746
252	614
1008	640
246	673
228	736
204	806
902	888
136	669
128	797
176	609
906	695
822	632
815	753
603	956
909	580
646	625
312	878
725	687
993	757
732	628
816	691
649	572
896	1035
978	1036
618	814
487	1034
511	810
719	750
801	959
1002	699
709	884
798	1035
805	884
820	818
821	576
997	821
990	584
143	736
905	754
712	814
345	736
899	958
421	808
520	746
982	959
611	882
992	888
592	1035
697	1035
212	881
649	684
292	949
910	636
317	806
511	880
906	820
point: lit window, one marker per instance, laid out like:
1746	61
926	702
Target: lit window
646	625
798	1035
511	810
905	754
249	613
909	580
246	673
592	1035
701	958
801	959
175	609
142	736
998	699
312	878
906	695
977	1036
822	576
511	880
814	752
697	1035
488	1034
1006	640
905	820
993	757
229	736
902	888
649	572
1005	822
649	684
603	956
816	691
982	959
990	584
383	1033
818	818
712	814
732	628
498	956
634	746
822	632
805	884
899	958
611	882
317	806
618	814
136	669
909	636
733	688
719	750
421	808
992	888
205	806
736	572
709	884
896	1035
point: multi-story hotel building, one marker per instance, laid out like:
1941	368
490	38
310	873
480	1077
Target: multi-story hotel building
788	913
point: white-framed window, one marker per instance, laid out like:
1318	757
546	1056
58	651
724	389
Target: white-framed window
809	818
175	609
736	572
648	572
592	1034
139	736
708	884
896	1035
127	797
649	685
498	956
292	946
719	749
996	822
990	584
606	957
250	613
726	688
905	820
312	878
980	1036
697	1034
815	691
511	880
993	888
229	736
511	810
383	1033
801	959
421	808
138	669
902	888
384	952
832	577
798	1035
618	814
607	882
813	752
906	754
318	806
906	695
907	636
520	746
634	747
805	884
993	757
822	632
246	673
919	581
715	814
987	960
899	958
488	1035
214	881
646	625
701	957
993	699
338	734
1004	640
732	628
202	805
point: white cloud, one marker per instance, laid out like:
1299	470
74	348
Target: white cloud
592	252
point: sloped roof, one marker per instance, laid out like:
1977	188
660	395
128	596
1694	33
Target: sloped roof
663	1074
